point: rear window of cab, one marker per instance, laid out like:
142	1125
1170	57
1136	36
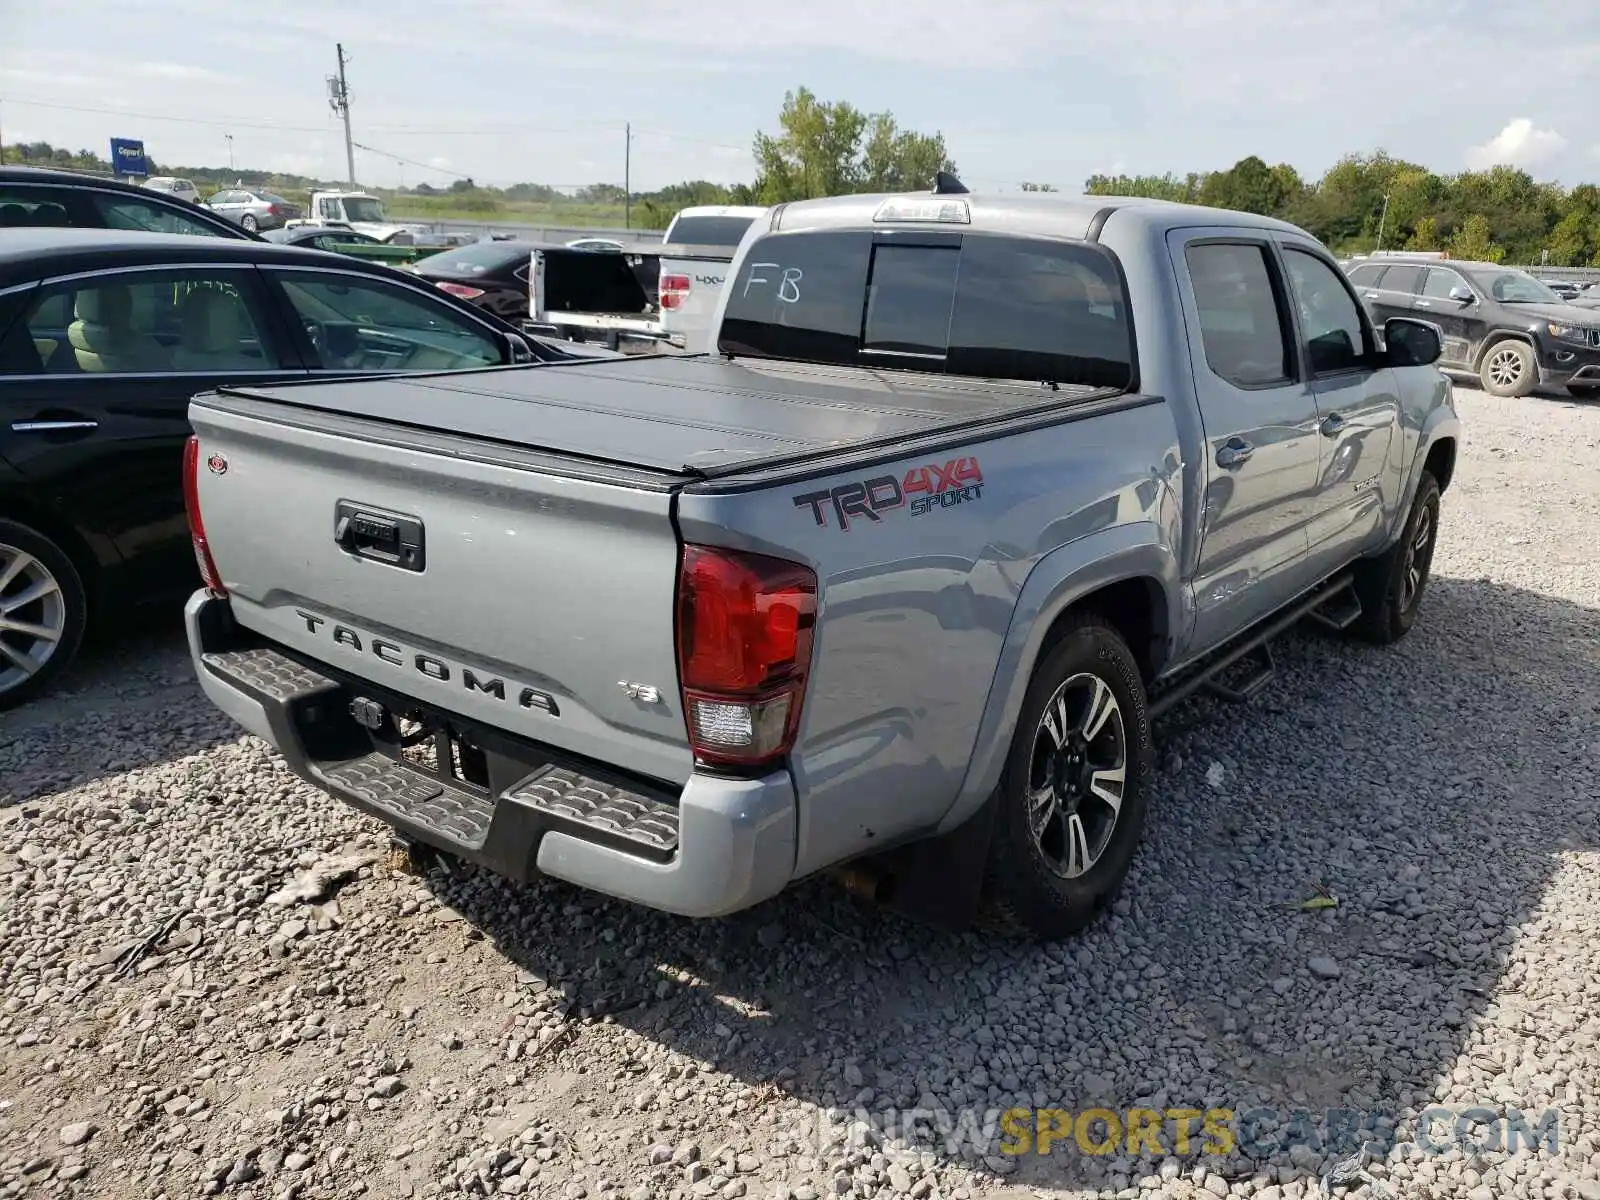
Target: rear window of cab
980	305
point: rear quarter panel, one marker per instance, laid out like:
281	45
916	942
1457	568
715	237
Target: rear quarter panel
916	607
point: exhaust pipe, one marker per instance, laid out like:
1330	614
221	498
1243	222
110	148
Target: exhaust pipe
863	882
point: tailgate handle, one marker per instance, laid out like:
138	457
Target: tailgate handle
387	537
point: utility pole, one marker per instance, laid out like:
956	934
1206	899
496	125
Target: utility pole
1382	220
339	101
229	136
627	176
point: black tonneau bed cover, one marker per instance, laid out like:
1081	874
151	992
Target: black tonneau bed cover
698	416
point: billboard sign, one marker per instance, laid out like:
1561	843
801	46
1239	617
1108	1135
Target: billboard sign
127	157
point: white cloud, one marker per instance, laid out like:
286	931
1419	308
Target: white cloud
185	72
440	163
1519	144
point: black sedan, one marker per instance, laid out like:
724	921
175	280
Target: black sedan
35	197
319	237
492	275
104	337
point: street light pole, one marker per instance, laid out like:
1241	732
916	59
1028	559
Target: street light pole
229	136
1382	220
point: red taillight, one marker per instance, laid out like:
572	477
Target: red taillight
209	575
459	289
744	649
272	210
673	290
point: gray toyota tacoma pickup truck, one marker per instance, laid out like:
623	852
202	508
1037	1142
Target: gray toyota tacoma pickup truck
893	581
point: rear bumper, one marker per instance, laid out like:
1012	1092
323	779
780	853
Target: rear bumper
718	846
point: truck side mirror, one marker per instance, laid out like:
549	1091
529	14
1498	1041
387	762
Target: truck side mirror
1411	343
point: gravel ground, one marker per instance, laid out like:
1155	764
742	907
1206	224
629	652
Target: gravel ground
178	1017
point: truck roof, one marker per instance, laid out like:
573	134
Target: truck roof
1049	215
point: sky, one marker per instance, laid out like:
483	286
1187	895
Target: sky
1046	91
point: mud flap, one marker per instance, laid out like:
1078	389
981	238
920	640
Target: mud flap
939	880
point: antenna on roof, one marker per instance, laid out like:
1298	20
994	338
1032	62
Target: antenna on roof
946	184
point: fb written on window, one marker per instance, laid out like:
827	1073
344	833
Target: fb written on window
786	280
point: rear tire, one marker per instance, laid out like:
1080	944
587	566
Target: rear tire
1071	805
249	223
1508	369
43	613
1391	586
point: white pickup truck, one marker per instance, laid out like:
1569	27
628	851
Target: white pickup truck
359	211
650	297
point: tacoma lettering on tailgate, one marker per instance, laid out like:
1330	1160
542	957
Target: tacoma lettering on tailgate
364	643
922	489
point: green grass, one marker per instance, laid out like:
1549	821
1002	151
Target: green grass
444	208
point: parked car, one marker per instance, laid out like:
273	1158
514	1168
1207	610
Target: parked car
1497	323
39	197
341	240
181	189
897	578
492	275
104	336
253	210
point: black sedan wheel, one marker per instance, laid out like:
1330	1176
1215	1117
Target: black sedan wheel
42	613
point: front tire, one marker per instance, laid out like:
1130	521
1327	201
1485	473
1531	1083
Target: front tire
1390	587
1071	804
43	613
1508	369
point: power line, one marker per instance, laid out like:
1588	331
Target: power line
411	130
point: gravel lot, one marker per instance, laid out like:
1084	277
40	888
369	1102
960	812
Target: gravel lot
172	1025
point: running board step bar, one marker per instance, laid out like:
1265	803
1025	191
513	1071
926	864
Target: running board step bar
1207	675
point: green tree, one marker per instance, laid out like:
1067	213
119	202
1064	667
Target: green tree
832	148
1148	187
1570	241
1425	235
1473	241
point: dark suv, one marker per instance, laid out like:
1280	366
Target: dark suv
1497	323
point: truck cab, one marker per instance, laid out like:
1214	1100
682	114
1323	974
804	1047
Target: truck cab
360	211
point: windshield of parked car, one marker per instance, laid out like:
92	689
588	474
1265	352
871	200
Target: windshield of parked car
986	306
363	208
1515	287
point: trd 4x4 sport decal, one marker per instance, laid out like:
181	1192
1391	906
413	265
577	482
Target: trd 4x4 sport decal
925	489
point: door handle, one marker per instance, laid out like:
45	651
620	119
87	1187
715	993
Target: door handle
83	425
1332	425
1235	452
1424	304
1370	295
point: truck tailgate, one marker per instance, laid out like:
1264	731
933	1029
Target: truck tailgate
482	584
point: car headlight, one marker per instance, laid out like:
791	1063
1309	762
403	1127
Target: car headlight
1569	333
